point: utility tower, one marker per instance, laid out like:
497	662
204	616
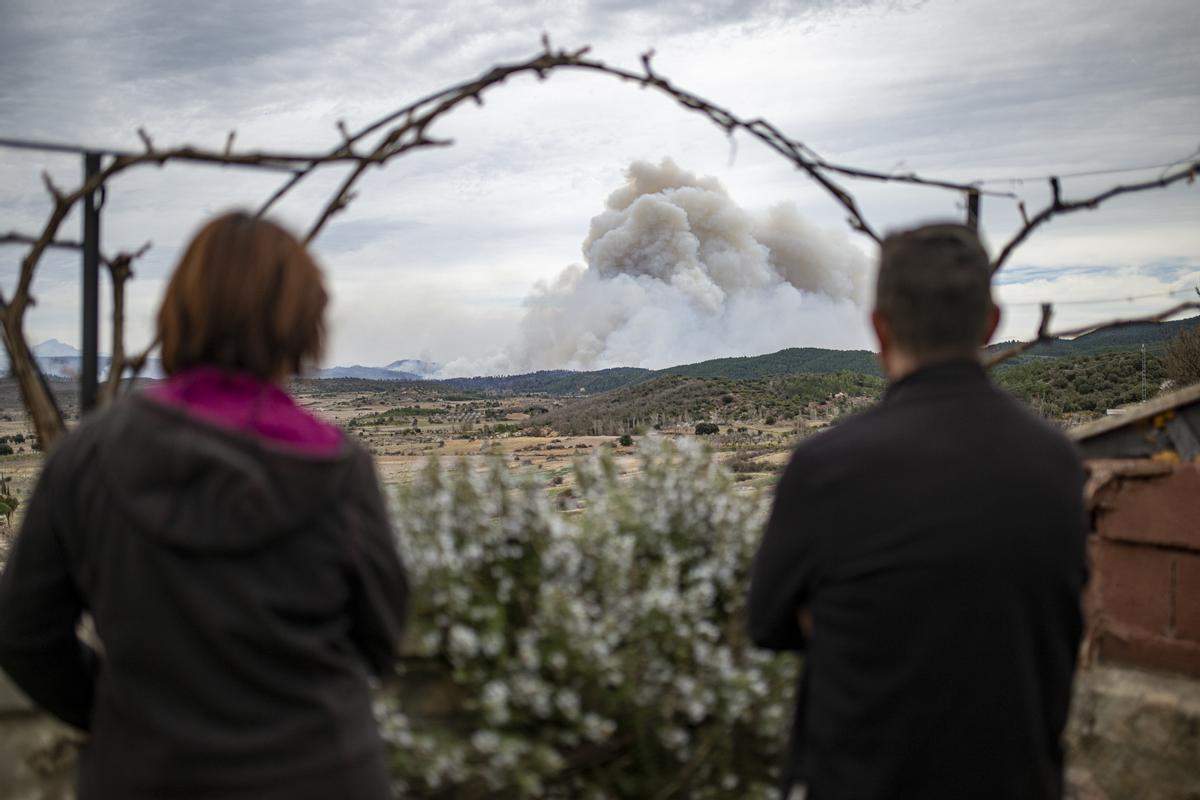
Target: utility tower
1143	372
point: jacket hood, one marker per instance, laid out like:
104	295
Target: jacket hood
207	489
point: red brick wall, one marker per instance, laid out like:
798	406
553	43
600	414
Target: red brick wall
1143	601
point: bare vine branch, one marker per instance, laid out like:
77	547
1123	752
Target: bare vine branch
12	237
416	118
120	270
1044	334
1058	206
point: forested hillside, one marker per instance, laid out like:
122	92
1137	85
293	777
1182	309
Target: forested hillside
678	399
553	382
791	361
1055	388
1061	380
812	360
794	360
1091	383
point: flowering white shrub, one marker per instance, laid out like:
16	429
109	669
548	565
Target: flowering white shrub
595	653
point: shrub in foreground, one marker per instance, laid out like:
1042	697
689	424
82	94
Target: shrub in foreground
595	654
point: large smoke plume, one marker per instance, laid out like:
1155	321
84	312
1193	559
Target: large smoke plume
677	272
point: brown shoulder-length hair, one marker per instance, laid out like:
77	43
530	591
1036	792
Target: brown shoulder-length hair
246	297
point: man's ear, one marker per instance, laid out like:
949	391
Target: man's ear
883	332
993	322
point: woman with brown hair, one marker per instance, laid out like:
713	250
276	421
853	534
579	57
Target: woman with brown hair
233	550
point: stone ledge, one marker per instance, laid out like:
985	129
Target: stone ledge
1135	734
12	701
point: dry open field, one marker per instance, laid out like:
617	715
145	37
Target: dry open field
481	429
404	428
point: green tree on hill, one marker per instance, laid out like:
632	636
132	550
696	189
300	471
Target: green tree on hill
1183	357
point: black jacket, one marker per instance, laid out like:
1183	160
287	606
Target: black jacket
939	542
241	592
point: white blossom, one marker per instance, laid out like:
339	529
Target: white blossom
495	702
616	622
463	641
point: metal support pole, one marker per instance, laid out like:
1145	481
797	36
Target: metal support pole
90	312
973	210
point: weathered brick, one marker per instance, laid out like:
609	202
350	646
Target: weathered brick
1132	585
1163	510
1187	597
1152	652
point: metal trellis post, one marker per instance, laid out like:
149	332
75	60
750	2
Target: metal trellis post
90	312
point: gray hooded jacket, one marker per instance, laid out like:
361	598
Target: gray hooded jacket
242	593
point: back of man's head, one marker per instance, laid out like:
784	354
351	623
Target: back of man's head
934	291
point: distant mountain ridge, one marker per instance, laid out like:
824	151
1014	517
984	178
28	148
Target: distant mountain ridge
1123	337
553	381
415	366
808	360
61	360
53	348
366	373
792	361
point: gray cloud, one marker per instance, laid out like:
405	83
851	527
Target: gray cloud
685	16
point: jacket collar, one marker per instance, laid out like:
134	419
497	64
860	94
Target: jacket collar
947	377
242	402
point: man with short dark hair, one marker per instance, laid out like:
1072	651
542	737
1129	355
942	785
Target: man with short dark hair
928	556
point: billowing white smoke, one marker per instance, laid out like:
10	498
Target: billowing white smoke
677	272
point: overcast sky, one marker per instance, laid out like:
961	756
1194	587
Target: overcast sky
440	253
